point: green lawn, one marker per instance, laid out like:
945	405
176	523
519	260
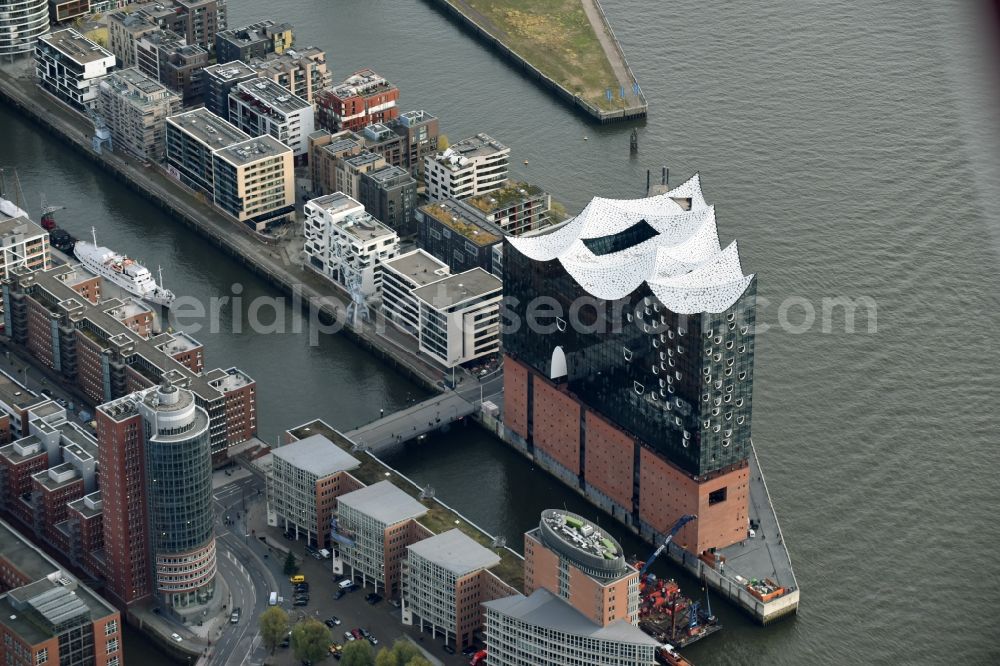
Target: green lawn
554	36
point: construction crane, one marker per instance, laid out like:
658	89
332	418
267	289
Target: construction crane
681	522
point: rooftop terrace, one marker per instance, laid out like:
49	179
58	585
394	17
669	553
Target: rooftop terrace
209	128
365	82
271	94
75	46
511	194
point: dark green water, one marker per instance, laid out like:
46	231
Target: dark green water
851	152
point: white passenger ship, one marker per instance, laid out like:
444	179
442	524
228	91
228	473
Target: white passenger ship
127	273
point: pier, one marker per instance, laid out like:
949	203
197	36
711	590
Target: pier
620	107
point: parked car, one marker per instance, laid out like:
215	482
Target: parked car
176	637
300	602
357	634
330	623
395	603
447	648
286	641
302	587
349	636
334	619
373	598
364	632
372	640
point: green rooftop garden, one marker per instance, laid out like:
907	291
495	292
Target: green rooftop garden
505	197
473	232
438	518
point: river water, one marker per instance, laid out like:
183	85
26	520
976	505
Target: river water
850	151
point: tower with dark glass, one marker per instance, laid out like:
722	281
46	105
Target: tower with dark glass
629	342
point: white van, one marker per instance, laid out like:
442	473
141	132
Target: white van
325	554
346	584
273	600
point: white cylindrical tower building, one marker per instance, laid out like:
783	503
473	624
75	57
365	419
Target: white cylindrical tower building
22	22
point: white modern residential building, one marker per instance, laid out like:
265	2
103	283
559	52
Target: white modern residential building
472	166
400	277
460	317
22	22
261	106
544	629
70	67
303	483
380	521
136	108
455	318
347	245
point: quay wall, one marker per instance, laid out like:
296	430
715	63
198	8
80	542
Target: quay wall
737	594
573	100
233	238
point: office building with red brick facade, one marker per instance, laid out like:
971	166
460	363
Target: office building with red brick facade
108	349
47	616
633	382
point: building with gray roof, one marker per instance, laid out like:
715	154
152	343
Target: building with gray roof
303	483
544	629
379	520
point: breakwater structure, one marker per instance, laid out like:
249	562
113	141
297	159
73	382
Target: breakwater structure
567	46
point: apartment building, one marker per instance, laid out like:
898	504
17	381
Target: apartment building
457	236
350	168
472	166
253	41
326	151
304	481
20	30
47	616
165	56
192	138
70	67
362	99
516	207
402	276
445	579
460	317
135	108
195	22
380	522
390	194
61	11
219	81
347	245
303	72
261	106
254	182
22	243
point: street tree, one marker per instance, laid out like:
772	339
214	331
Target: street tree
443	142
357	653
273	624
402	653
310	640
291	566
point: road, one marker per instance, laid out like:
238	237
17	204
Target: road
247	573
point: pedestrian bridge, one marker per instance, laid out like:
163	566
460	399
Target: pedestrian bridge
392	431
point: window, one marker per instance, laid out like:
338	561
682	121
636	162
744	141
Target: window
717	496
42	656
639	388
628	353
